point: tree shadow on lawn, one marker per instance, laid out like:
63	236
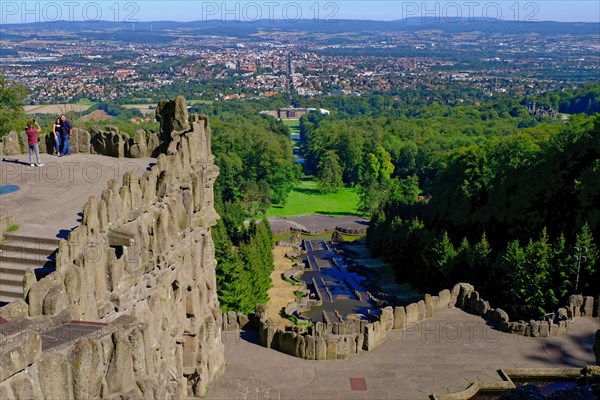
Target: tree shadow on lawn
311	191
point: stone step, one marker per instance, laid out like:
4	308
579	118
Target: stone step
17	253
30	260
16	237
16	247
9	293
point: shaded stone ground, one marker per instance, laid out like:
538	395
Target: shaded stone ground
50	197
440	355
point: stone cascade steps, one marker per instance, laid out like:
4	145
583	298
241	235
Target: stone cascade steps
19	252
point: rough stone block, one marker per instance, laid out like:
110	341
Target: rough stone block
575	303
87	366
15	310
588	307
444	299
399	318
428	306
311	350
331	351
19	351
387	318
300	347
421	310
412	314
54	376
454	296
544	330
562	314
562	327
553	329
481	307
321	348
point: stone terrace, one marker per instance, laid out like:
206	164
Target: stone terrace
439	355
50	197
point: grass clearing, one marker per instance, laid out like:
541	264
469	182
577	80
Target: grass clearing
293	124
306	199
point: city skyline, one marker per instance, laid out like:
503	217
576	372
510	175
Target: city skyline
319	11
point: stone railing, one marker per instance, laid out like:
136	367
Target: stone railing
329	341
108	141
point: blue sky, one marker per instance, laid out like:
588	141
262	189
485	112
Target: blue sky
243	10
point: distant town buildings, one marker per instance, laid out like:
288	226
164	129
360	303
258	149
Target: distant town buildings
56	70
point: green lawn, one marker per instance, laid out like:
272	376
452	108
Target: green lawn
293	124
306	199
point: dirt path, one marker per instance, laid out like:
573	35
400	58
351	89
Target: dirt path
282	292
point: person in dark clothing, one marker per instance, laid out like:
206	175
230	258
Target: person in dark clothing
56	133
65	134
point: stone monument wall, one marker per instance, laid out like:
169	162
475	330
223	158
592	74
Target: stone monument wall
142	262
330	341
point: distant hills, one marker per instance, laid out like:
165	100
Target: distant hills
167	30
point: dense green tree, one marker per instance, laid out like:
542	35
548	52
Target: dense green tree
330	173
12	96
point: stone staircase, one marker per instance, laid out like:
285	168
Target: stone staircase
19	252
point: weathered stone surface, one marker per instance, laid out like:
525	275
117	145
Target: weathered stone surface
544	330
55	301
387	318
421	310
23	385
19	351
588	307
499	315
562	314
87	366
444	299
553	329
311	348
10	144
15	310
454	296
321	348
331	350
518	327
428	306
412	314
54	376
399	318
481	307
173	117
574	305
534	327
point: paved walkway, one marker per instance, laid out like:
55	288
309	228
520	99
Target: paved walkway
440	355
51	197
